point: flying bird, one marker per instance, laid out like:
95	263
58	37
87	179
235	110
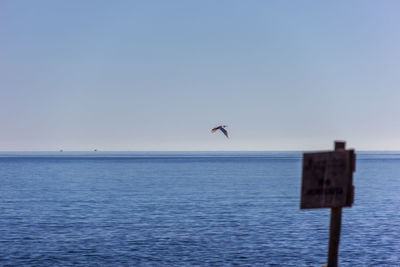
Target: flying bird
221	127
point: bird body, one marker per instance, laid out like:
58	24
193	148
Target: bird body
222	129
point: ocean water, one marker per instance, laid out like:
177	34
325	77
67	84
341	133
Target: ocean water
188	209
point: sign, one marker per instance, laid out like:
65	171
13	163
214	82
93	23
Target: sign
327	179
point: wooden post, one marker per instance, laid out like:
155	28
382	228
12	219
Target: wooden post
335	224
327	182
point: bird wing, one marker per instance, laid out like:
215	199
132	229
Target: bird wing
224	131
214	129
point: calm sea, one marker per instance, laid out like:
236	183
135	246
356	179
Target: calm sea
188	209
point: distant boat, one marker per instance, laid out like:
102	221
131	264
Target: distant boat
61	150
221	128
95	150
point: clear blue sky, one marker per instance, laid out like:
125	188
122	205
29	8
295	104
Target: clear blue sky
158	75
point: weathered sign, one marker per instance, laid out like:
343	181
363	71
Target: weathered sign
327	179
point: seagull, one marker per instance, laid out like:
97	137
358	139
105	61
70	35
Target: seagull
221	127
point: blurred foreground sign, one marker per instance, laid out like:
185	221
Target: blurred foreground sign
327	179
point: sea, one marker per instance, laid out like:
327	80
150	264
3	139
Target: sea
188	209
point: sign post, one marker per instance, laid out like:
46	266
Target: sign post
327	182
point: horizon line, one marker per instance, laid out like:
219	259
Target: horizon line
127	151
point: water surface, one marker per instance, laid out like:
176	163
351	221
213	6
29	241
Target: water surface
187	208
